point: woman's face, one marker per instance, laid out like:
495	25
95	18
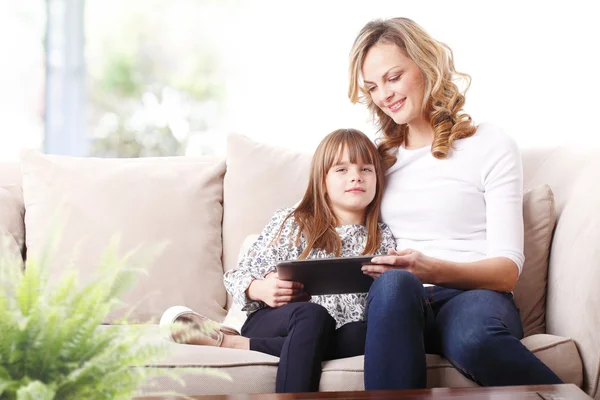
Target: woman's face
395	83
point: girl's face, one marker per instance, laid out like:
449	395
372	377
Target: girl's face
351	188
395	83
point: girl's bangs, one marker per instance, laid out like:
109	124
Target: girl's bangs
359	152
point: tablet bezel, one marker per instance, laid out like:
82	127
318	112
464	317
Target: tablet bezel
326	276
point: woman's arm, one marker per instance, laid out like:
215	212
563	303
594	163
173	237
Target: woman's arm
502	182
498	273
502	179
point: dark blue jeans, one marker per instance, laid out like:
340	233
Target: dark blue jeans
478	331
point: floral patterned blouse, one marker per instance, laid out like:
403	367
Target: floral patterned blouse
263	256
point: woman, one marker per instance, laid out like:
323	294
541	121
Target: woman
453	200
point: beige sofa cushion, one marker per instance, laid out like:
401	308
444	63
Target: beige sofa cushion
530	293
573	302
10	178
254	372
146	201
12	229
560	354
12	210
259	180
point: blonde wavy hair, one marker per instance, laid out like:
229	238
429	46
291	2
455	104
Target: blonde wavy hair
443	100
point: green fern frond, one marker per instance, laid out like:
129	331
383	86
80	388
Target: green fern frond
36	390
53	344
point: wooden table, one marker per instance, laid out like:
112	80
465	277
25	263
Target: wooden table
542	392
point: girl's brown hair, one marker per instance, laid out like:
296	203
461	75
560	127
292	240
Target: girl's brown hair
314	215
443	101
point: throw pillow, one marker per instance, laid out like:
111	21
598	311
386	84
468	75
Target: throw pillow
146	201
530	293
260	179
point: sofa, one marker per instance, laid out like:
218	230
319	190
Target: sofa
203	209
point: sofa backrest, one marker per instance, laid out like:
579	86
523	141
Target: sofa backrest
279	178
572	300
170	207
261	178
10	175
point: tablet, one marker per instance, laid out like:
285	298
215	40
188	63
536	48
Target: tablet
328	275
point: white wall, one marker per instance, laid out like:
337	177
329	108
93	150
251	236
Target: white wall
534	66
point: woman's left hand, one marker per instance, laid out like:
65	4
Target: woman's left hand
409	260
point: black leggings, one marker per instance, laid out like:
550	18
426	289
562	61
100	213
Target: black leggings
302	335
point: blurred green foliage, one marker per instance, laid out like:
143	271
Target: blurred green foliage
155	76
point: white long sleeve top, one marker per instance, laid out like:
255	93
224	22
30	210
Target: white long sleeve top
465	208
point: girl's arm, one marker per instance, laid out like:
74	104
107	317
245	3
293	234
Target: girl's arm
260	260
388	243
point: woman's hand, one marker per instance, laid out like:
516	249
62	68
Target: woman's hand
276	292
409	260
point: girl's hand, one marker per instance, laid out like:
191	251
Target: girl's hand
275	292
409	260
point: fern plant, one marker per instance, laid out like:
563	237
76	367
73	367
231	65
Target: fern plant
52	344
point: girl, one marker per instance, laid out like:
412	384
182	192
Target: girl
337	217
454	203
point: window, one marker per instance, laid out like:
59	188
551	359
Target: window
174	77
156	80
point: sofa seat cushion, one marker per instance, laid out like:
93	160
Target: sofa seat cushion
254	372
559	353
248	371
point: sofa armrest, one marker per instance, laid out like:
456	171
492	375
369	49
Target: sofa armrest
12	227
573	300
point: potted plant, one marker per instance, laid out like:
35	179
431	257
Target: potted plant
52	344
